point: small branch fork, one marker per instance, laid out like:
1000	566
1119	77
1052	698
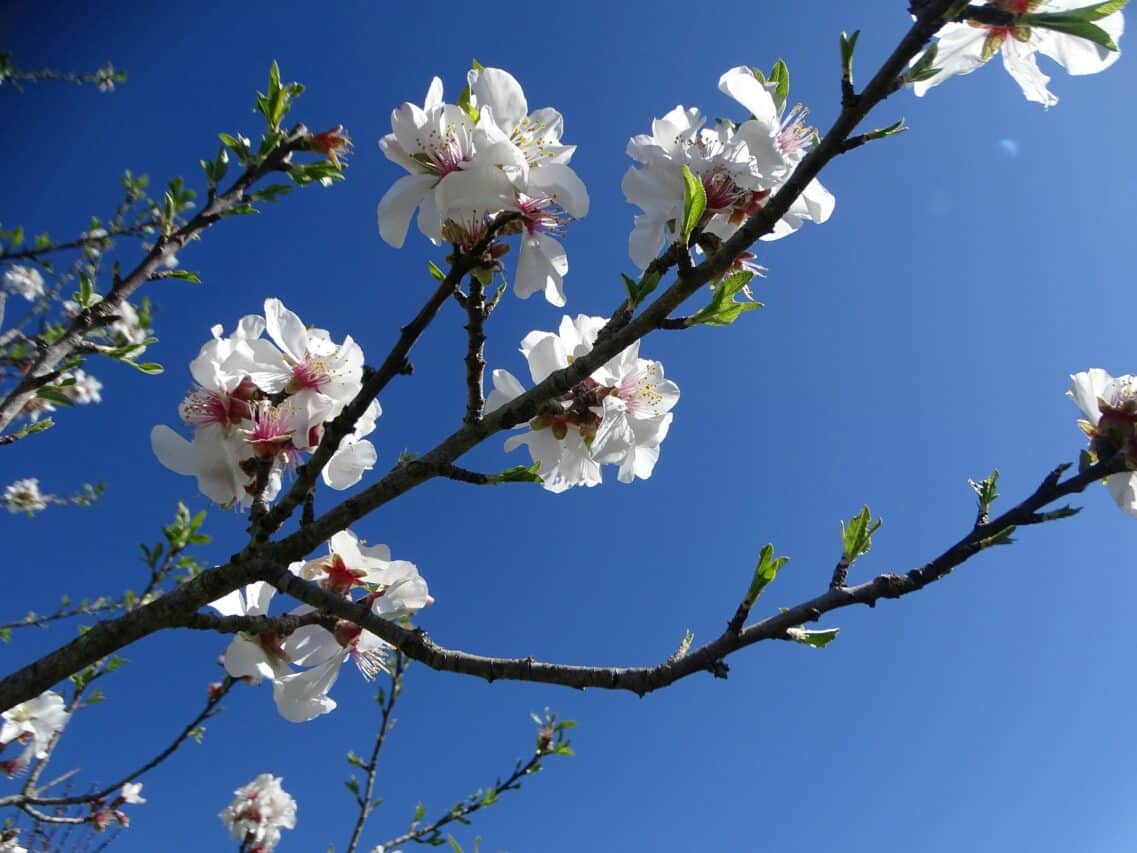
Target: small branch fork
30	795
416	645
371	769
49	358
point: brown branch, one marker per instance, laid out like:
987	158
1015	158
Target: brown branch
394	364
475	306
386	723
215	210
211	708
416	645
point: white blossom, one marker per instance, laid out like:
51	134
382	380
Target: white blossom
25	281
1110	407
34	724
964	47
259	811
24	496
619	415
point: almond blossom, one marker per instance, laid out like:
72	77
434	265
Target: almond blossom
1110	407
259	811
393	589
252	655
259	405
34	725
740	165
964	47
470	163
25	281
618	415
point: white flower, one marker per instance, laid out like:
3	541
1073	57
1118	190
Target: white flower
85	389
252	655
354	455
259	404
24	496
308	363
963	47
131	793
740	165
777	142
430	142
394	589
26	281
1110	407
128	325
546	197
537	135
259	812
34	724
215	459
10	841
619	415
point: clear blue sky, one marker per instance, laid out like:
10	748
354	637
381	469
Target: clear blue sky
921	337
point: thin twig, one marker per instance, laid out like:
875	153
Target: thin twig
386	722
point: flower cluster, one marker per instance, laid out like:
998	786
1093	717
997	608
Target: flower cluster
10	841
33	724
260	404
619	415
484	156
964	47
103	812
25	281
393	589
1110	407
258	813
740	166
24	496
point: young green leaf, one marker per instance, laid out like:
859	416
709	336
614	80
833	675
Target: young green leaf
764	574
694	202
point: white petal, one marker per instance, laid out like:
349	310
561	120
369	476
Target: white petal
741	84
398	206
1086	388
502	93
1020	62
348	463
286	329
506	388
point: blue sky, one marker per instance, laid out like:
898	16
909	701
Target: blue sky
921	337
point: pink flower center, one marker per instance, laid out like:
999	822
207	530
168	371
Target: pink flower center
312	373
541	214
795	135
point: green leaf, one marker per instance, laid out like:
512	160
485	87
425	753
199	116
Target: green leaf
54	395
1003	537
184	275
856	538
272	192
454	845
723	308
435	272
638	291
817	639
924	68
519	474
85	296
694	202
420	813
986	489
764	574
150	368
1072	23
780	75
